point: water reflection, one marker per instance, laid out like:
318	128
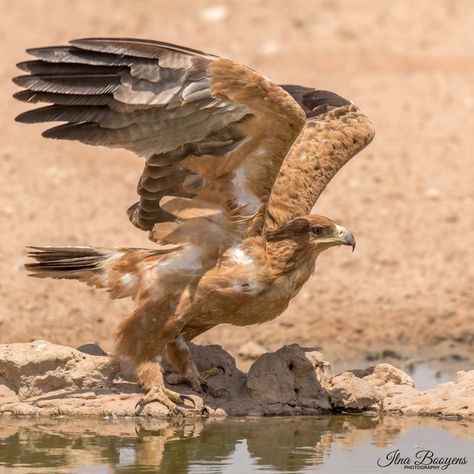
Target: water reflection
278	444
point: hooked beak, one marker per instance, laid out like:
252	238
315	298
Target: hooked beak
346	237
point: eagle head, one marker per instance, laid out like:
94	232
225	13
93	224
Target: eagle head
315	232
325	233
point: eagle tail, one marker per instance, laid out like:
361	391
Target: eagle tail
117	270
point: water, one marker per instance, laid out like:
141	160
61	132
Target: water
426	376
324	444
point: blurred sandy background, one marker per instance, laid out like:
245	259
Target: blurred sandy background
406	293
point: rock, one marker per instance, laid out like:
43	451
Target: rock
366	389
92	349
452	399
353	393
291	381
321	367
251	350
387	374
7	391
41	367
289	376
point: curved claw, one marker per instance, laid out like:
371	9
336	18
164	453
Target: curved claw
176	411
187	397
215	392
224	390
220	367
139	430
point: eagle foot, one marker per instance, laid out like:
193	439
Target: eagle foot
215	392
165	396
211	372
198	381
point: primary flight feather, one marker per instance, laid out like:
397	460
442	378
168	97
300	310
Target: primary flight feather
233	166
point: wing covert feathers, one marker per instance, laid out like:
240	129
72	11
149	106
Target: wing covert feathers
328	141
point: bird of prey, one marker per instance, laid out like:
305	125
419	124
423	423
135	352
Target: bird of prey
233	165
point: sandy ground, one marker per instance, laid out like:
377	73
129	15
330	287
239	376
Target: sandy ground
406	292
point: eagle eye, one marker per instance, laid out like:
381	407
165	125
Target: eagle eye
317	231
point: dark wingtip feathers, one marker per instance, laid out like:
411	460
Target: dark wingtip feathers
41	49
69	131
314	101
146	47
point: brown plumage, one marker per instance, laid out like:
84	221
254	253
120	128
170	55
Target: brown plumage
233	166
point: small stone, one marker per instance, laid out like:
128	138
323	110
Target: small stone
270	48
41	347
86	396
44	403
214	14
432	193
9	210
219	412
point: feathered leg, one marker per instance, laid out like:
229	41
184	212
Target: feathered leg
141	338
180	357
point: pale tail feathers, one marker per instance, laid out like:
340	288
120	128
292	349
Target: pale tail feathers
117	270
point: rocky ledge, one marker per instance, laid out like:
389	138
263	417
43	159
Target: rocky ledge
41	378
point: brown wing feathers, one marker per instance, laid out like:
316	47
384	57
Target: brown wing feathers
204	124
335	131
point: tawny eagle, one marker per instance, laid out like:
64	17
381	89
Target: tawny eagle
233	166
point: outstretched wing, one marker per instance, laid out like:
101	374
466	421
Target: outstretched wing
213	132
334	132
